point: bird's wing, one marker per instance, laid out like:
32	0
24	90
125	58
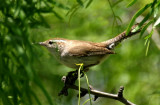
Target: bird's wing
87	49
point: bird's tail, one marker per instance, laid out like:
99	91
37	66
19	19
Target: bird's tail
110	44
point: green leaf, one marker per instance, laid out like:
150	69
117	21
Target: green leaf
158	4
80	2
135	16
144	20
148	44
72	9
145	27
131	3
88	4
157	22
60	5
156	11
72	13
154	3
57	15
149	36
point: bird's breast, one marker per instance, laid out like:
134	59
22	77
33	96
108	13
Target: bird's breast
87	61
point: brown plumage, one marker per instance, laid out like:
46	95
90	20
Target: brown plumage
72	52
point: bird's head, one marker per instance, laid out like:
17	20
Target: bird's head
49	43
53	45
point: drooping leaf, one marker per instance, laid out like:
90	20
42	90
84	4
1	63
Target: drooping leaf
158	4
149	36
80	2
145	27
57	15
142	23
88	4
157	22
60	5
156	9
131	3
147	43
154	3
147	48
73	12
135	16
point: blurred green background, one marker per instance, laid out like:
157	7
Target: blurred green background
29	74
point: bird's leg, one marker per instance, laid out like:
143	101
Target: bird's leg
70	79
73	75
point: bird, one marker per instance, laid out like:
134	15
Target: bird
73	52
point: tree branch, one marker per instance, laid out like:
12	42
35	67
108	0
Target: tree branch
97	93
69	82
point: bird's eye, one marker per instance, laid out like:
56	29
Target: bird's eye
50	42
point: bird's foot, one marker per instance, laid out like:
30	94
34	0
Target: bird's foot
68	80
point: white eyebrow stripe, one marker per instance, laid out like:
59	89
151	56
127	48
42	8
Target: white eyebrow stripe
59	41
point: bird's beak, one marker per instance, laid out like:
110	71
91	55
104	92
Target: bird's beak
42	43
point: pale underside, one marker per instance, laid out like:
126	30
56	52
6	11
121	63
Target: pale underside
77	52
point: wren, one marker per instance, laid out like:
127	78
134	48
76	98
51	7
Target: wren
72	52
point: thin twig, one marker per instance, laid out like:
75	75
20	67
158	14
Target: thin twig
118	96
69	82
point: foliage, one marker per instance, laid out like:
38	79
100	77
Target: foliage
154	6
17	72
30	75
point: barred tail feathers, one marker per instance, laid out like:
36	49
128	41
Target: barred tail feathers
110	44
